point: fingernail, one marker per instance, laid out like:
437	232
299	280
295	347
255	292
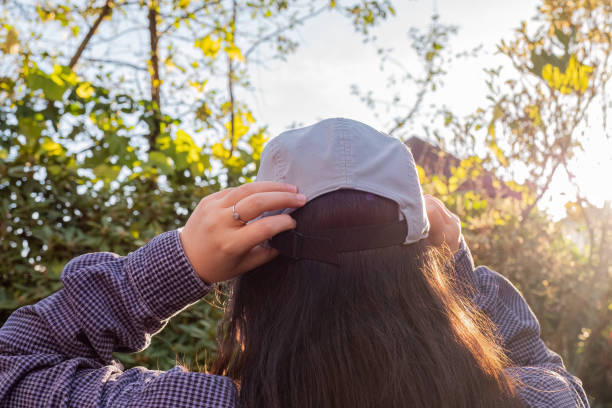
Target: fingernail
292	188
301	198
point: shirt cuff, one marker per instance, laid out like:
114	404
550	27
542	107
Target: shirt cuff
463	265
164	277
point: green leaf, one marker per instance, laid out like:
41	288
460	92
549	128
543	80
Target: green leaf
52	85
30	128
161	161
50	89
107	172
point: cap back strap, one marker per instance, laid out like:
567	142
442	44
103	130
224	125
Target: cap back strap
324	246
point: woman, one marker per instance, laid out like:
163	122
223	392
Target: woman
360	309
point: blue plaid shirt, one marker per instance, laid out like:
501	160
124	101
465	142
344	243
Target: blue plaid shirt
58	352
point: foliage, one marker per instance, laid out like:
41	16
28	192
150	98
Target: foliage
569	292
562	66
90	161
538	113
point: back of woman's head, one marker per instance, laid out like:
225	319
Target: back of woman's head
385	328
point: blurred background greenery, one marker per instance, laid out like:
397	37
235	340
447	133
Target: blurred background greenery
101	153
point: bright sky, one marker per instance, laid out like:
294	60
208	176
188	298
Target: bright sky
315	81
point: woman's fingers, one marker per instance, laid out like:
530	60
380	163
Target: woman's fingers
445	227
254	205
256	257
221	194
257	232
218	247
246	190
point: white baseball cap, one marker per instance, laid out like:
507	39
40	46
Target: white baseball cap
339	154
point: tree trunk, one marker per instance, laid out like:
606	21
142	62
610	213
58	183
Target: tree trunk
155	128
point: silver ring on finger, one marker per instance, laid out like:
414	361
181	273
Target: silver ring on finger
236	216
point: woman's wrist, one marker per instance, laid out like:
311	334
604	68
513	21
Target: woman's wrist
164	277
463	264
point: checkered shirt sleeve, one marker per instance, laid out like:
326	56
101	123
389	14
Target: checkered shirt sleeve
58	352
544	381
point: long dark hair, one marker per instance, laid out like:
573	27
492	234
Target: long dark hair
388	328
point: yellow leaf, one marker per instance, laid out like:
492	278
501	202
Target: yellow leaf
63	77
453	184
209	47
249	117
199	86
460	172
85	90
421	173
441	188
219	151
240	128
164	142
185	143
575	78
52	148
234	53
547	71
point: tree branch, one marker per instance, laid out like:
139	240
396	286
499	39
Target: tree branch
544	189
230	75
155	78
188	14
116	62
106	10
280	30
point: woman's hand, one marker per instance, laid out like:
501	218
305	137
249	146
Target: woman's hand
220	247
444	226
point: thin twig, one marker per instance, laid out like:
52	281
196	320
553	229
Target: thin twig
283	29
544	189
106	10
116	62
